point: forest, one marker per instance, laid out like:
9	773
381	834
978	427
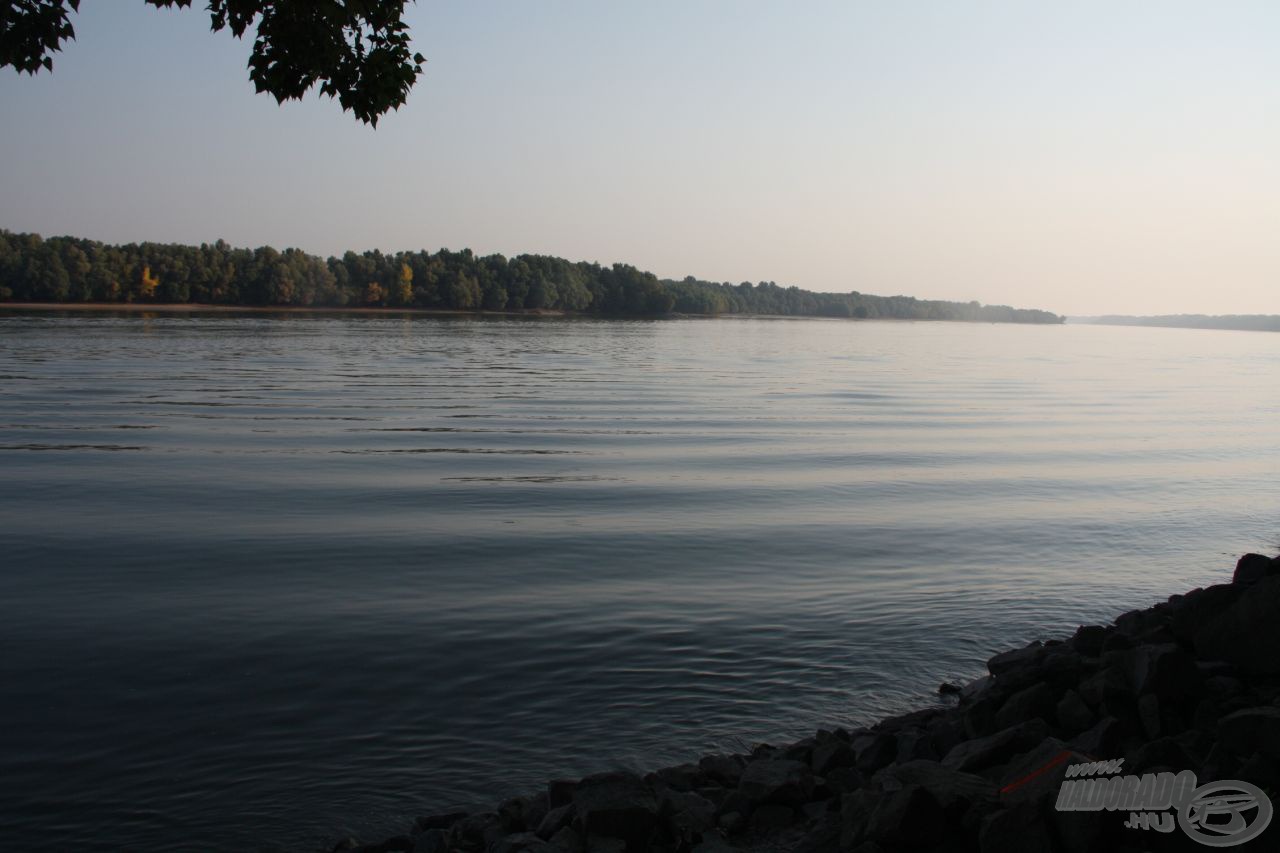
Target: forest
70	269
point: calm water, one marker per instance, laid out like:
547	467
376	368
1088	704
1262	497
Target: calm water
268	581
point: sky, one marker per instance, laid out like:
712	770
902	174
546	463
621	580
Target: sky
1085	157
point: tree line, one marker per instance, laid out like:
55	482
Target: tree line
70	269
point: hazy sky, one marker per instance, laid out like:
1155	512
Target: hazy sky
1084	157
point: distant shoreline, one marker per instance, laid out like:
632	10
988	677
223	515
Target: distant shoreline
205	308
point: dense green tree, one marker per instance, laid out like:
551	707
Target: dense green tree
63	269
354	50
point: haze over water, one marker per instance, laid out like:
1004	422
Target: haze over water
273	580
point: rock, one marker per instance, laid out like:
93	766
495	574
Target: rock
560	792
568	840
844	779
345	845
831	755
1201	606
946	688
521	842
914	744
1244	633
732	822
1260	770
398	844
555	820
1072	714
976	688
1165	670
689	813
780	781
431	841
997	748
1015	830
1149	715
1107	683
1036	701
1007	662
1252	568
855	816
954	791
771	817
521	814
475	832
618	806
875	751
1164	753
907	818
444	820
1088	639
1252	730
1100	742
682	777
1038	774
725	769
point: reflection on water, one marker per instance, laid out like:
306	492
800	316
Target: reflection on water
358	568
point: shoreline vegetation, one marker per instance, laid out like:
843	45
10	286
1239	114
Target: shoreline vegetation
1234	322
68	271
1106	740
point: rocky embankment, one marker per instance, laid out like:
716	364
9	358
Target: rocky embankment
1075	745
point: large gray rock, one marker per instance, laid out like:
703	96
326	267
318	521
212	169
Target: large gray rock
781	781
954	791
1252	568
724	769
981	753
1072	714
1015	659
1252	730
618	806
1038	700
1015	830
908	818
830	755
1245	633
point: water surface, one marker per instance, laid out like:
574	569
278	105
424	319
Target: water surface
268	581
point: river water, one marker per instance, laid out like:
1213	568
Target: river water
269	580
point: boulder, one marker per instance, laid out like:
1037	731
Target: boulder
431	841
1072	714
1100	742
831	755
780	780
555	820
688	812
875	750
444	820
1015	830
996	749
771	817
1252	730
1036	701
725	769
521	842
954	791
1201	606
618	806
1089	639
1007	662
908	818
1244	633
1252	568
